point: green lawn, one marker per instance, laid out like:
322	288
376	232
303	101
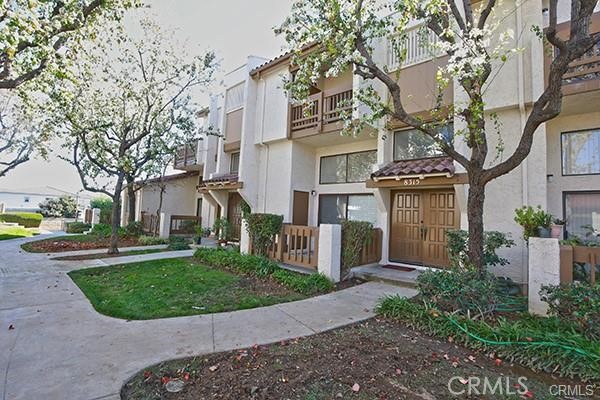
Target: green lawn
174	287
10	232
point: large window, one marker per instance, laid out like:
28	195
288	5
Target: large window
347	168
234	163
412	144
333	208
581	152
582	212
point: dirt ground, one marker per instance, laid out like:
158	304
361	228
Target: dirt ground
62	245
377	359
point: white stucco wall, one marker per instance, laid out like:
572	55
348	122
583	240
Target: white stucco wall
23	201
179	197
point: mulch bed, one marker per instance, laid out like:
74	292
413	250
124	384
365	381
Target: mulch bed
59	245
376	359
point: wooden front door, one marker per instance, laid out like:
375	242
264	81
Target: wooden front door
234	214
300	210
419	223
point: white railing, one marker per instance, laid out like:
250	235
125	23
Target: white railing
417	47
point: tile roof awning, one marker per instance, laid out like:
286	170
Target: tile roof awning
436	166
225	181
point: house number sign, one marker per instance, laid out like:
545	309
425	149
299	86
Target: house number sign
412	182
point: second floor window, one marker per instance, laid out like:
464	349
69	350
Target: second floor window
412	144
581	152
234	163
347	168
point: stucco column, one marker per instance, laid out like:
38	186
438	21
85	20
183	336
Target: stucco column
164	226
330	251
244	238
95	216
544	269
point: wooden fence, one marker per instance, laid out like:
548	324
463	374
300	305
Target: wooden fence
371	252
150	223
579	263
184	224
296	245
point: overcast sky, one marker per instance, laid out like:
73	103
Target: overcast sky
232	28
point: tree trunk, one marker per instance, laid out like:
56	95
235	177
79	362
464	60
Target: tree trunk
130	202
475	216
116	218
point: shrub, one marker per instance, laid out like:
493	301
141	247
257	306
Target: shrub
261	229
539	343
492	241
105	206
78	227
151	240
355	235
577	304
263	267
28	220
531	220
135	229
223	229
64	206
177	243
102	230
465	291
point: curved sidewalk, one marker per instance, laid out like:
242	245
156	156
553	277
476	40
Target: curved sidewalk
61	348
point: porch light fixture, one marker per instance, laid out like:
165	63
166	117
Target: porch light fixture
313	193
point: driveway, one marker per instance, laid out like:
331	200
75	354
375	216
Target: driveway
54	345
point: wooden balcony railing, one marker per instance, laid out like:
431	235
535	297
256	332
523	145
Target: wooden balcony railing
296	245
186	156
585	68
321	114
579	263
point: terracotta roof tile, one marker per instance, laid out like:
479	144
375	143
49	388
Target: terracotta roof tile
421	166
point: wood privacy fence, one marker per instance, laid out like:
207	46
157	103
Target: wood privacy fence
296	245
371	252
87	216
150	223
184	224
579	263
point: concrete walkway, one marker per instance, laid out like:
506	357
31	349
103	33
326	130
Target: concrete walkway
54	345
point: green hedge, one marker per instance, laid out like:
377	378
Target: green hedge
78	227
539	343
28	220
262	267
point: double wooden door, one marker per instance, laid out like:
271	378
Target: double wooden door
419	222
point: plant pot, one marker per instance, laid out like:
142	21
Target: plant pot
556	231
544	232
199	240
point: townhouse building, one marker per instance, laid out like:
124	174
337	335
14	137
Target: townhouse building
283	158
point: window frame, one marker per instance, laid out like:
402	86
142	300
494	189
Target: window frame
564	204
339	194
346	156
231	158
442	154
562	160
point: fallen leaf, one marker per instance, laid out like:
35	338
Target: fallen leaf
213	368
463	381
471	358
165	380
356	388
398	371
528	394
498	361
186	376
147	374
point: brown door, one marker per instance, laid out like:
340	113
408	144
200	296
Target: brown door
300	210
234	214
406	239
418	226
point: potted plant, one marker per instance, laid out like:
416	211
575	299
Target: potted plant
544	223
206	232
222	228
557	228
535	221
199	233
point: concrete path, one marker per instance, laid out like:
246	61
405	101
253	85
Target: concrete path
54	345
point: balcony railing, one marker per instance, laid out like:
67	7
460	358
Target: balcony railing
321	114
416	47
186	156
584	69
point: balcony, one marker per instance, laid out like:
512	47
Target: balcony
186	157
322	114
583	74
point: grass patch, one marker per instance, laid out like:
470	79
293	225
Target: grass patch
544	344
174	287
16	232
105	255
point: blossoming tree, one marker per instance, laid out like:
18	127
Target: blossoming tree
328	36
